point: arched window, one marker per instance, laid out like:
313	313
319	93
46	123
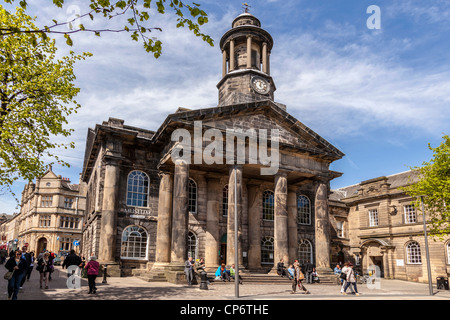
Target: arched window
267	250
303	210
134	243
448	252
225	201
192	196
268	205
137	190
192	245
305	252
413	255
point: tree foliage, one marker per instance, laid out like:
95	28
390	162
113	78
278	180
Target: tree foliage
37	95
135	16
434	186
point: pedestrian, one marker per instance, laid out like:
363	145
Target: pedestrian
299	277
71	260
351	280
222	273
44	268
291	272
27	256
19	266
281	269
52	259
30	268
233	273
3	255
344	271
189	270
92	268
315	276
309	269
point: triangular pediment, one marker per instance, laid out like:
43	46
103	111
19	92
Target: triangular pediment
49	175
261	115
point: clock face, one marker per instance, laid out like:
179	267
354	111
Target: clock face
260	85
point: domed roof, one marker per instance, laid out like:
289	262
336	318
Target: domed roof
246	19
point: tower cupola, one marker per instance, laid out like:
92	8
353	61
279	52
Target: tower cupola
246	50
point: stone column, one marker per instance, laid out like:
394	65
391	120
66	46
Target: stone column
224	63
254	227
264	56
179	216
164	227
281	247
249	52
322	226
212	224
232	62
292	224
231	251
108	231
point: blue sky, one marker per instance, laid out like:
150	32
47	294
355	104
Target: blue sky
379	95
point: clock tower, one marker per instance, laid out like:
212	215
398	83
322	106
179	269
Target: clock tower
246	49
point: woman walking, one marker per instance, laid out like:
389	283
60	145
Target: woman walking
351	280
19	266
92	272
44	266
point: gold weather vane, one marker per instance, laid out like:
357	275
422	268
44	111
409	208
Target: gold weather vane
246	7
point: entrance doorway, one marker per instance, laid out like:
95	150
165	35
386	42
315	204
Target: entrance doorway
223	249
378	261
41	245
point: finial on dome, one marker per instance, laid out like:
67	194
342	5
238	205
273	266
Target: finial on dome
246	7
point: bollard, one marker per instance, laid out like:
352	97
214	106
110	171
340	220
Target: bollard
105	270
204	281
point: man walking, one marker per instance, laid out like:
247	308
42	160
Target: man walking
72	259
189	270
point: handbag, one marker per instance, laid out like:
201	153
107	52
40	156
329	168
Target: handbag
343	276
8	275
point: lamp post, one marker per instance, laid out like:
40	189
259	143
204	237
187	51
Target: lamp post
430	283
236	242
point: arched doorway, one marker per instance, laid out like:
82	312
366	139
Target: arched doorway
374	256
41	246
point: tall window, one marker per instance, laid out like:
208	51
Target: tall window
46	201
373	218
340	229
225	201
134	243
448	252
66	244
192	196
303	210
413	255
68	203
192	245
268	205
44	221
267	250
410	214
69	222
305	254
137	191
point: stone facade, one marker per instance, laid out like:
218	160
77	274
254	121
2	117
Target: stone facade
148	210
51	216
380	227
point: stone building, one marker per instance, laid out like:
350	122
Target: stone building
156	197
50	218
375	224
